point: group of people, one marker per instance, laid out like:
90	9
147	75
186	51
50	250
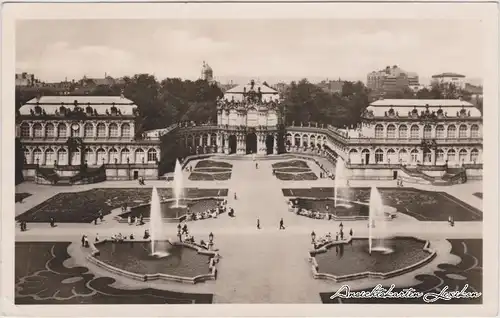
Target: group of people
318	243
399	182
141	181
137	220
100	216
119	238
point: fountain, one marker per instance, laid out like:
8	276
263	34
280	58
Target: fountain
156	226
340	181
178	184
377	224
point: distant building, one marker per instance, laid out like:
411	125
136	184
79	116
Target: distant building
391	80
334	87
449	78
207	74
25	79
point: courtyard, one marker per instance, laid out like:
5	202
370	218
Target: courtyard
265	265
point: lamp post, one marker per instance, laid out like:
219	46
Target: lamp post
211	240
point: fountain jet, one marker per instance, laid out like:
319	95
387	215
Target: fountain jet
156	226
178	183
340	179
377	224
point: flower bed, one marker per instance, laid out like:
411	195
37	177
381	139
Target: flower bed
199	176
291	163
213	164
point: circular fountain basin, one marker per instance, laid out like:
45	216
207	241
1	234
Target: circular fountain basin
170	211
172	262
353	260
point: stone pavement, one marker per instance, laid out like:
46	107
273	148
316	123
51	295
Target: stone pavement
257	266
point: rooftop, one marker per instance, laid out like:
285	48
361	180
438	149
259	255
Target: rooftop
100	103
448	74
421	103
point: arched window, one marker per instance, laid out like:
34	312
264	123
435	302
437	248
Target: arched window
62	131
391	131
474	155
125	155
414	156
403	156
462	131
204	140
462	155
101	130
113	155
27	155
152	155
50	155
113	130
474	131
62	157
126	130
403	131
25	130
440	156
101	156
439	131
379	156
365	156
451	157
38	130
379	131
88	130
37	156
213	140
139	156
50	131
427	132
89	156
391	156
452	132
297	140
414	132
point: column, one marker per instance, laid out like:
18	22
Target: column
208	139
31	130
275	150
94	125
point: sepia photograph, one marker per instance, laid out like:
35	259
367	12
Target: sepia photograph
203	160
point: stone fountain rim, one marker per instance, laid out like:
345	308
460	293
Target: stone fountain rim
368	274
91	257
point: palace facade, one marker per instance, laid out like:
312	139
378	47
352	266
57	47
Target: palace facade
248	120
60	133
394	135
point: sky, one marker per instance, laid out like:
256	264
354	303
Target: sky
271	50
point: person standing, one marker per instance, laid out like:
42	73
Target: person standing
350	232
258	224
101	216
282	227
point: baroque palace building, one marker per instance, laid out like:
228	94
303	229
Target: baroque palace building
248	120
55	130
394	136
